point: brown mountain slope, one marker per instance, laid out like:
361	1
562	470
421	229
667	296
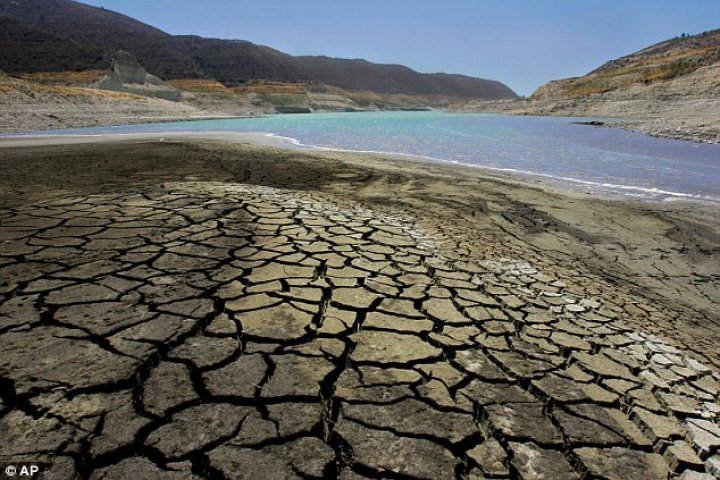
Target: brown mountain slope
358	75
661	62
232	62
669	89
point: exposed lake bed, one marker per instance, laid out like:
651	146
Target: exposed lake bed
345	289
56	164
274	241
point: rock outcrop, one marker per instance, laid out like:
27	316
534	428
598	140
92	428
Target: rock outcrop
29	106
127	75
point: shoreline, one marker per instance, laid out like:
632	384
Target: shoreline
140	120
685	122
646	126
563	185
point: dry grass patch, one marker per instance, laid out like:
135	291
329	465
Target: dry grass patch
273	88
64	78
94	93
200	85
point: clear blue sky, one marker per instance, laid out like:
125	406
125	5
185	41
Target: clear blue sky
523	43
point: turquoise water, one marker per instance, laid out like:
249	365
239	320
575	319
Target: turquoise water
603	160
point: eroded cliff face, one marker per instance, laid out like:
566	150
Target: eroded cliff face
27	106
127	75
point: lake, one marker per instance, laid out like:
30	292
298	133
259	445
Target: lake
595	159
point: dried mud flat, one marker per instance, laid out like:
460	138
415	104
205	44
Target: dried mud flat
213	311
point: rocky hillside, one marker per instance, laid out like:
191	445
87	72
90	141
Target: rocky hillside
650	67
61	35
127	75
670	89
27	106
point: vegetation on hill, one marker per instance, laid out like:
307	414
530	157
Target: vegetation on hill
201	86
29	49
65	77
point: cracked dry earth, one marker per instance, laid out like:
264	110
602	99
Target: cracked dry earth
229	331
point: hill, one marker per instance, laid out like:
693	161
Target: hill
58	35
668	89
360	75
657	64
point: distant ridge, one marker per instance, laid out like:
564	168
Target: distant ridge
359	75
57	35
